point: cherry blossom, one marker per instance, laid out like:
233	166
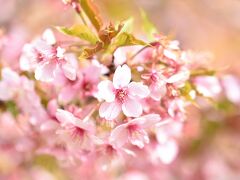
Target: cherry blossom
208	86
79	131
134	131
85	85
121	94
13	86
231	86
9	84
157	86
98	101
47	59
159	83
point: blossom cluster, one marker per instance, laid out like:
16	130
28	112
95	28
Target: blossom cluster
101	112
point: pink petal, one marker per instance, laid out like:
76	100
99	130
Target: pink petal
85	125
139	138
138	89
49	125
167	152
28	60
69	71
59	78
103	68
96	140
49	37
6	93
122	76
52	107
132	108
209	86
60	52
232	88
179	77
67	94
42	47
105	91
92	73
157	90
146	121
10	77
45	71
174	45
119	135
71	58
65	117
119	56
170	54
109	111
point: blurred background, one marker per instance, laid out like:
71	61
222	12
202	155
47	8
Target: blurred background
200	25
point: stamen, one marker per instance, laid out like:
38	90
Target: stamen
121	95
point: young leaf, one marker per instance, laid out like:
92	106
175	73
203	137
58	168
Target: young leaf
92	13
125	39
127	25
148	26
81	31
89	52
203	72
12	107
50	164
46	161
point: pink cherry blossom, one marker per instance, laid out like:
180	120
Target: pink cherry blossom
166	152
93	101
157	86
171	47
9	84
159	82
208	86
84	86
121	94
167	149
176	109
231	87
11	45
134	131
21	89
77	129
122	54
47	59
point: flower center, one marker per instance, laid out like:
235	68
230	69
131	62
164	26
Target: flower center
121	95
132	128
87	86
39	56
110	150
154	77
77	132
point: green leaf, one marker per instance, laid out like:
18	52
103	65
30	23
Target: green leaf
89	52
203	72
225	105
12	107
81	31
147	25
186	89
124	39
46	161
127	25
49	163
92	13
